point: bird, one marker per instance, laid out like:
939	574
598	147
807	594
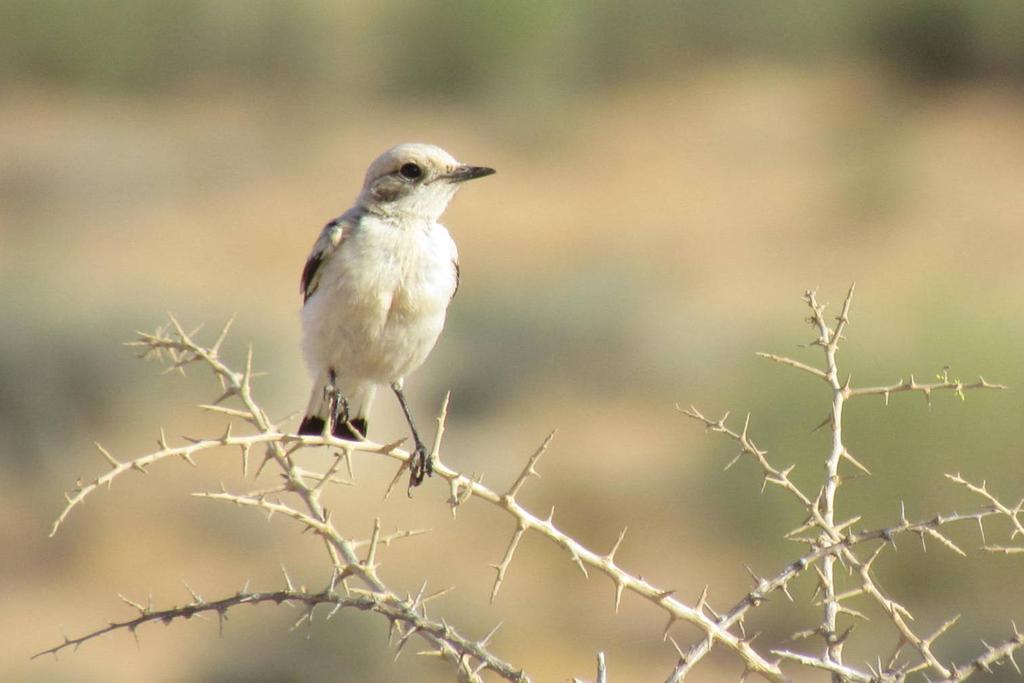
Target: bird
376	289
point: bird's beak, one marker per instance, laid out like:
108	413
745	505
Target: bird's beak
464	173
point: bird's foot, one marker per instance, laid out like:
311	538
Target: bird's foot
421	465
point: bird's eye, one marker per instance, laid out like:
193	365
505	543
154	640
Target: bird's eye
410	171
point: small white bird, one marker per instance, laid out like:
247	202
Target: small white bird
376	289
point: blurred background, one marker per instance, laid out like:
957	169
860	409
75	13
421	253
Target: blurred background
672	176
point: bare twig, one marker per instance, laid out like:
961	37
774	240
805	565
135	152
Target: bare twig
829	539
367	601
833	540
280	447
183	350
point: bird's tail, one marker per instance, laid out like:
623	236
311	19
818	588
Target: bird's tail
353	408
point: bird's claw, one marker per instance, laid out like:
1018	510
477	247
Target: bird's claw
421	465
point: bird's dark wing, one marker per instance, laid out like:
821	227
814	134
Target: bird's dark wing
327	244
455	265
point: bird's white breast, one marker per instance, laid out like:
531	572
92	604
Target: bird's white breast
382	300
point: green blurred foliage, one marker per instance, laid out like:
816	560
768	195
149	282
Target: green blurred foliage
457	48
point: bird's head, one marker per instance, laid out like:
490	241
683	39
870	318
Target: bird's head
415	179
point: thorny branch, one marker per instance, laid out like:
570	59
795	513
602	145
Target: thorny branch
182	350
281	445
828	540
832	541
367	601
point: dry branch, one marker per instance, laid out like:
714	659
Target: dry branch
832	541
280	446
387	606
829	540
305	490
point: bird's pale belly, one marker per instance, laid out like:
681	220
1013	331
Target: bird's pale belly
369	329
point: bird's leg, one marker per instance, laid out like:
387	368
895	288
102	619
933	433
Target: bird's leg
420	464
337	412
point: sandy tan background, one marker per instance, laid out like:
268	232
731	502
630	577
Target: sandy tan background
670	180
